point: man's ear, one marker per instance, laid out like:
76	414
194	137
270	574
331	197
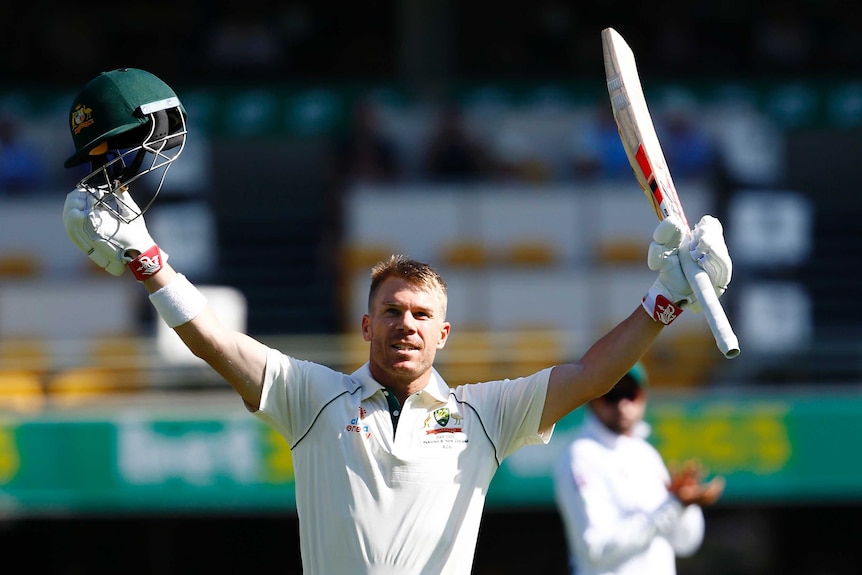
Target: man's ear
366	327
444	334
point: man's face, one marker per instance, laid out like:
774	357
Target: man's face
621	408
405	326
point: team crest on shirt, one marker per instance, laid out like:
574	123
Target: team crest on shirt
443	420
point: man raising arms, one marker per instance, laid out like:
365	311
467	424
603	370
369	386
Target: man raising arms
392	464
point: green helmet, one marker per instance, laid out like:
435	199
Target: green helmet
125	123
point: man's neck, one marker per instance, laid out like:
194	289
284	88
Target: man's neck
403	388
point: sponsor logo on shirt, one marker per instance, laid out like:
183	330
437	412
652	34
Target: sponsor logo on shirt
356	424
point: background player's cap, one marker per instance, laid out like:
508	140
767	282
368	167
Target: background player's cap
630	386
638	374
112	104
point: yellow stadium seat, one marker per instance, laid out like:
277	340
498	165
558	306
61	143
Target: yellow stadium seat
21	391
355	258
354	349
683	359
25	354
78	385
534	348
115	365
621	252
468	358
468	253
529	254
19	265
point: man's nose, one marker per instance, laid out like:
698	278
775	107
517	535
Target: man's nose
408	322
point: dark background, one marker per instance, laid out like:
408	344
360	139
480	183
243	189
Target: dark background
421	40
808	540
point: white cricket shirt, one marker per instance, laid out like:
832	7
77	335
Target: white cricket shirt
619	517
375	500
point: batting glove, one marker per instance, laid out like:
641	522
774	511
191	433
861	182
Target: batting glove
112	243
710	252
671	292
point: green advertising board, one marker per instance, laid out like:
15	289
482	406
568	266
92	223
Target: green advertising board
135	462
776	449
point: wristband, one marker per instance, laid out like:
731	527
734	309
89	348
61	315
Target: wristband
178	302
147	264
659	307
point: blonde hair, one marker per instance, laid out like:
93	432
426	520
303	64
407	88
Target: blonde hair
416	273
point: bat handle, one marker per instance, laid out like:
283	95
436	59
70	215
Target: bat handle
726	340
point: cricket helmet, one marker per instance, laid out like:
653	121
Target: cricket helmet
126	123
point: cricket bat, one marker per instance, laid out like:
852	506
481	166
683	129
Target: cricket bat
645	155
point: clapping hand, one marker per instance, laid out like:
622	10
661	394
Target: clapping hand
688	485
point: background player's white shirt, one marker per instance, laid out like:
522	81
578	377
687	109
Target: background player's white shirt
618	514
376	501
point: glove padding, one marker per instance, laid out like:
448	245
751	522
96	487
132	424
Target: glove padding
706	246
709	250
110	242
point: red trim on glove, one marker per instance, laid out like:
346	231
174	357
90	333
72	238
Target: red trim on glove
664	310
147	264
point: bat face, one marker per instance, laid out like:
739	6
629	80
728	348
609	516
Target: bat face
640	141
659	189
637	131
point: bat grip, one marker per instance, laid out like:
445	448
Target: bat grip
700	283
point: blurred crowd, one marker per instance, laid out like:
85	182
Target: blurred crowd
301	42
256	43
438	142
448	144
22	164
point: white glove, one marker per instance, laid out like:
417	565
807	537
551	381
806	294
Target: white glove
710	252
671	292
110	242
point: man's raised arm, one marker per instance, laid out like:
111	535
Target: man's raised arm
115	244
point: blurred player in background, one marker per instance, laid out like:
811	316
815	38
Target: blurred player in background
391	464
623	511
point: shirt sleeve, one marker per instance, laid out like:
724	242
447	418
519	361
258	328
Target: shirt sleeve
686	536
294	392
511	410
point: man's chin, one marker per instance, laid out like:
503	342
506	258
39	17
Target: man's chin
405	367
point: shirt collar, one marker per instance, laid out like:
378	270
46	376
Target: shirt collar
436	388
